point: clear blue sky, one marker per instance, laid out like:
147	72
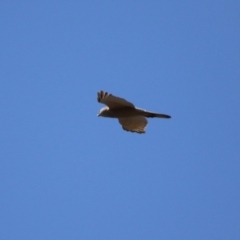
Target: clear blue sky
67	174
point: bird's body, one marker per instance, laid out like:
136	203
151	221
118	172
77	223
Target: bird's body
118	112
129	112
131	118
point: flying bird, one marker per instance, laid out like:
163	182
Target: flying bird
131	118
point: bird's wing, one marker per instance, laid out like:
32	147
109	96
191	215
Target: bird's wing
112	101
134	124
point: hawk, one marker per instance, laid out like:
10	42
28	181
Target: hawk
131	118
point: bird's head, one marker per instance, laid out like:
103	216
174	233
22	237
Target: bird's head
103	112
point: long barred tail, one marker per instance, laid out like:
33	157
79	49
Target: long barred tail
157	115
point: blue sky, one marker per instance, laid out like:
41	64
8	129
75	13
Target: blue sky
67	174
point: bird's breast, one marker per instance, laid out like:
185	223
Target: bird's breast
122	112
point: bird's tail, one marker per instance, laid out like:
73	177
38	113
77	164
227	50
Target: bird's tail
157	115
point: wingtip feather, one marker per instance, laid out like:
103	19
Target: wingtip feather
101	94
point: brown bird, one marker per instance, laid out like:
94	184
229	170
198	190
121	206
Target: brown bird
131	118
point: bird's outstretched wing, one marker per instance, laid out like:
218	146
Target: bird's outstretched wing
134	124
112	101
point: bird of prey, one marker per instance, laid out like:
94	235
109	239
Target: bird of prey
131	118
